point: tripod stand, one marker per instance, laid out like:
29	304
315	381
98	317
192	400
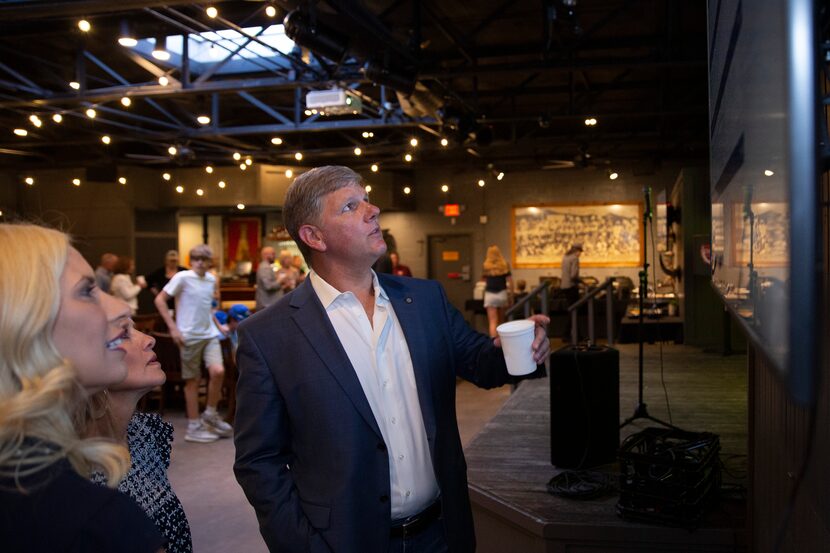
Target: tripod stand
641	411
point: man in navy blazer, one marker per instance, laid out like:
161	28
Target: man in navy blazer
346	433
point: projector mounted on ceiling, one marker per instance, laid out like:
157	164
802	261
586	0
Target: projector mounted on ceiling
335	101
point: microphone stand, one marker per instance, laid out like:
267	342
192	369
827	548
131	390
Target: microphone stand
641	411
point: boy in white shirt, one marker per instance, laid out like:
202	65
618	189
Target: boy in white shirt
194	332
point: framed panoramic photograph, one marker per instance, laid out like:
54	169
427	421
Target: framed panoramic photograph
770	237
611	234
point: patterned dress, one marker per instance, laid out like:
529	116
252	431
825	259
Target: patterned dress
149	439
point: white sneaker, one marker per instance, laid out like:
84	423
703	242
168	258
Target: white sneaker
216	425
200	434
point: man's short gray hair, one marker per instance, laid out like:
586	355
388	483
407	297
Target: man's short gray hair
304	198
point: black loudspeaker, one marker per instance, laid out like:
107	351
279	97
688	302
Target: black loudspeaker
584	406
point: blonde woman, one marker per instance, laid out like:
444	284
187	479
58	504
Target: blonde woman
498	288
58	343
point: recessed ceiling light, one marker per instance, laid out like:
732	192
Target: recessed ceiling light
106	139
84	25
298	156
126	102
21	132
122	180
374	167
91	113
240	207
57	118
165	176
180	189
276	141
357	151
203	120
289	173
75	85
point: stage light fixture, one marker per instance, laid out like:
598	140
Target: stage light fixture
160	49
317	37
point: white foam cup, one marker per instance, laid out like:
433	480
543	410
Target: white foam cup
141	280
516	341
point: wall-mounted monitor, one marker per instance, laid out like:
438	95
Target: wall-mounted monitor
763	111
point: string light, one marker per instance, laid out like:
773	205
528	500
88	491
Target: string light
368	134
200	192
30	181
500	176
21	132
203	120
445	142
76	182
35	120
166	176
276	141
368	188
122	180
591	121
407	158
481	182
84	25
75	85
91	113
164	81
248	161
769	172
57	118
289	173
126	102
242	166
374	167
414	142
270	11
211	12
106	139
180	189
209	169
357	151
445	188
613	175
240	207
237	156
172	150
406	190
298	156
222	184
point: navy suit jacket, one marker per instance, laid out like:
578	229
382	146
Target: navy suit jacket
309	454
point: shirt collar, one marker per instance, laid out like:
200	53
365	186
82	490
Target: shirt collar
328	294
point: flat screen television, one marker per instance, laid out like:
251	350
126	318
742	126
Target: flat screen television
763	108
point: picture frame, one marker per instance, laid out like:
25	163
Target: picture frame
771	240
610	234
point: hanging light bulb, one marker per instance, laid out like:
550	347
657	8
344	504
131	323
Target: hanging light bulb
76	182
74	85
166	176
211	12
445	188
248	161
122	180
414	142
222	184
374	168
276	141
407	158
30	181
406	190
270	11
289	173
21	132
203	120
126	102
57	118
126	37
91	113
106	139
180	189
481	182
172	150
298	156
445	142
242	166
164	81
209	169
200	192
368	188
357	151
237	156
84	25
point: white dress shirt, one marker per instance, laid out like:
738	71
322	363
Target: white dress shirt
380	357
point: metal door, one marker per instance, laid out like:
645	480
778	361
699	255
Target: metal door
450	264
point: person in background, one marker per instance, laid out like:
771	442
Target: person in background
521	289
148	439
194	331
347	438
297	263
235	315
159	278
287	275
61	338
570	280
123	287
397	267
268	288
103	272
499	289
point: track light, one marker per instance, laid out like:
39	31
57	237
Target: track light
160	49
126	37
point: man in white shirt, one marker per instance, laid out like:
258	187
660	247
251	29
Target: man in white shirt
346	433
194	331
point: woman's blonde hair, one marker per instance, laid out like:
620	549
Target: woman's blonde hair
494	263
41	402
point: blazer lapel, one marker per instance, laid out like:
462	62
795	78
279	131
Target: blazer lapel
314	323
410	314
